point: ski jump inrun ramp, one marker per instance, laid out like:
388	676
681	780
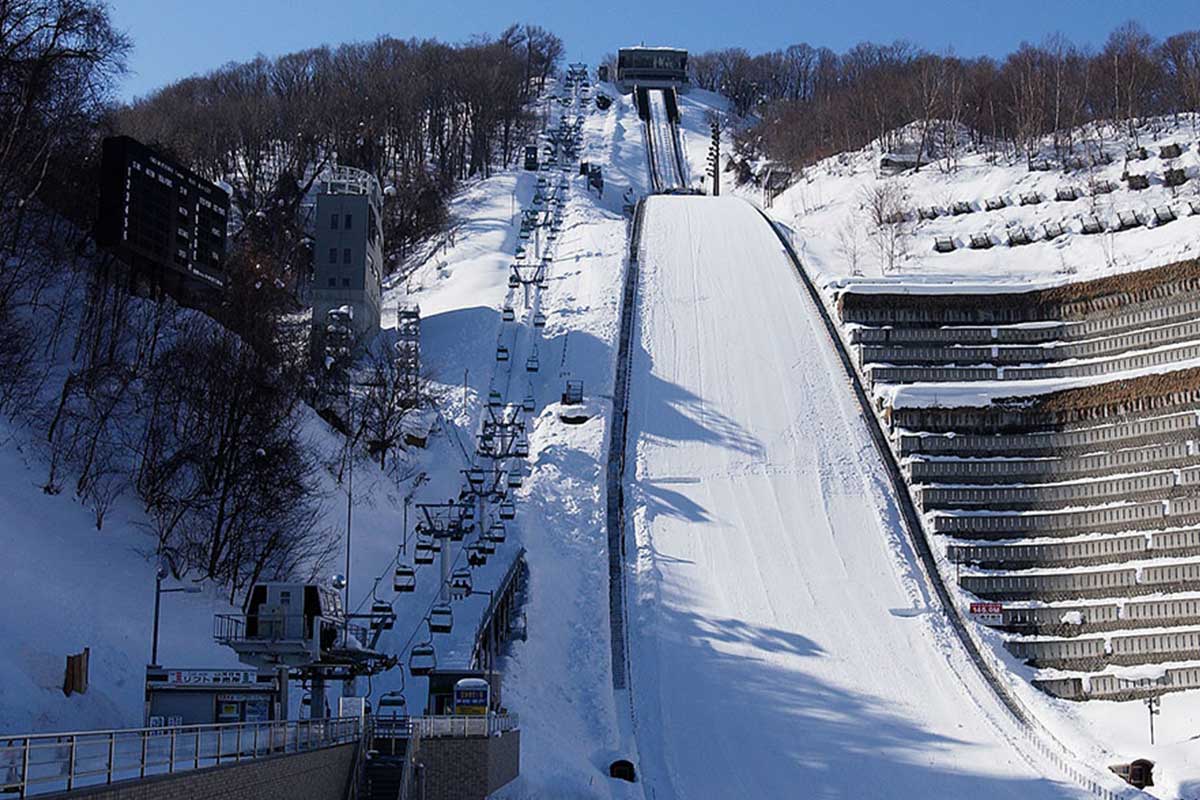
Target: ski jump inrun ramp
779	638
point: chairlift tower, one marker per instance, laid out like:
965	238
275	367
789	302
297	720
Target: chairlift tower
447	522
408	355
339	344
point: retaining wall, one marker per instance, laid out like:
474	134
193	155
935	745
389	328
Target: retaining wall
978	470
315	775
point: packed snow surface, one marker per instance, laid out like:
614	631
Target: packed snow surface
778	631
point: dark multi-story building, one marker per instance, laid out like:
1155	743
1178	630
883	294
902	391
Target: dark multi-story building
165	223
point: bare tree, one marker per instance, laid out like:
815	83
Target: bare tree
850	244
885	204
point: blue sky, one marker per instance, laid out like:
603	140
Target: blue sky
176	38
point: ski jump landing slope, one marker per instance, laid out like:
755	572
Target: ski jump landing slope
780	639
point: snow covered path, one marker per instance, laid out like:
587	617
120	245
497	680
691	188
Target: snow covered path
778	644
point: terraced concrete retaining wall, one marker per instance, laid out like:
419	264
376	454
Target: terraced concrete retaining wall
1050	469
1119	434
1065	523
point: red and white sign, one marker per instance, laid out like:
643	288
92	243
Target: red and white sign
211	677
988	613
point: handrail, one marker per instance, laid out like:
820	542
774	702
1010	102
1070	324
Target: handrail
229	628
498	594
445	726
615	469
51	762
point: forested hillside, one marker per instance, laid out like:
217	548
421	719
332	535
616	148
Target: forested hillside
812	102
200	414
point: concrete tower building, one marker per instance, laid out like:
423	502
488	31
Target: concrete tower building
348	255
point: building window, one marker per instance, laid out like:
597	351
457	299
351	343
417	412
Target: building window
333	220
333	255
332	283
349	221
346	283
346	255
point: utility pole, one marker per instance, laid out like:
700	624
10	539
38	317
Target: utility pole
404	539
349	500
1153	705
161	571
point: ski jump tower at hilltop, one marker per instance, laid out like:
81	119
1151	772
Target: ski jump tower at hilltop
652	68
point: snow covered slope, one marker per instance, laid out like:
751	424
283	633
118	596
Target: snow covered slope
826	207
780	633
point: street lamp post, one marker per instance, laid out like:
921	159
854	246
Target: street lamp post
1153	705
159	574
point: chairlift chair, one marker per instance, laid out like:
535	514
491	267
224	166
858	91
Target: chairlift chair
539	320
1053	230
508	510
943	244
487	546
498	532
513	280
1065	194
460	582
515	478
405	579
422	660
423	552
529	404
521	448
382	616
532	364
441	619
475	555
508	314
495	399
573	393
501	353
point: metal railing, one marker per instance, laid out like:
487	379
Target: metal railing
238	628
43	763
444	727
